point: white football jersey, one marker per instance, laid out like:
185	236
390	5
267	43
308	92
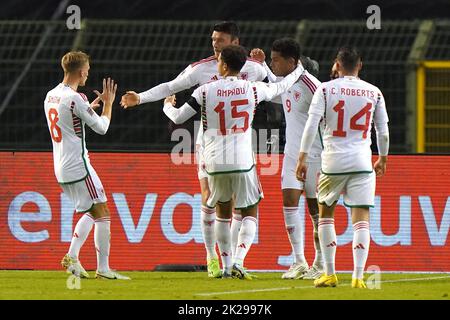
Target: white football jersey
205	70
296	102
348	105
66	112
227	108
197	74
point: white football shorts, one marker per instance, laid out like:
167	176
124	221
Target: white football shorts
289	178
201	171
358	189
84	194
245	187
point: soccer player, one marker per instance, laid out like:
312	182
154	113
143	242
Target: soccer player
67	111
285	56
199	73
227	107
348	105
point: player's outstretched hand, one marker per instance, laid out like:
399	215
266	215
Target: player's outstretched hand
300	171
109	91
129	99
96	103
171	99
380	167
258	54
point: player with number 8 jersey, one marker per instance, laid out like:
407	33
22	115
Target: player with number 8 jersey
67	111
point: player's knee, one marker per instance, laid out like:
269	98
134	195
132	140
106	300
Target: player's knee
100	210
290	202
313	208
205	196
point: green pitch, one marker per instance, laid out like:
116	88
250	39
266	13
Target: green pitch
196	286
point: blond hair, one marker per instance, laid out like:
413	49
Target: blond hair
73	61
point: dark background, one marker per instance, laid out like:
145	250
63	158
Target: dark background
235	10
132	55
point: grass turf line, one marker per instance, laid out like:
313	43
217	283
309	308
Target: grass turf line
197	286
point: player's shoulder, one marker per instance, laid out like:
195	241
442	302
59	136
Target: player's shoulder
56	90
331	83
73	98
77	96
308	81
369	86
203	62
53	95
253	62
83	96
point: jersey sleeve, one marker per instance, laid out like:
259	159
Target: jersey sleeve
381	120
380	114
83	110
263	74
315	114
270	75
187	110
318	101
183	81
268	91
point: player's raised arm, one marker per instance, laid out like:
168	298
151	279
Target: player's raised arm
82	109
268	91
259	55
185	80
382	131
185	112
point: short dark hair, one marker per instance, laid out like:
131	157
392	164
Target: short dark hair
311	65
288	48
228	27
349	57
234	56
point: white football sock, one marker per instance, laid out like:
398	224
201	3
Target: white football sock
102	237
294	231
208	217
328	243
223	234
318	259
245	239
80	234
361	243
236	223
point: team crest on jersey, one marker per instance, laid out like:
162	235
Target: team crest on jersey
297	95
243	75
